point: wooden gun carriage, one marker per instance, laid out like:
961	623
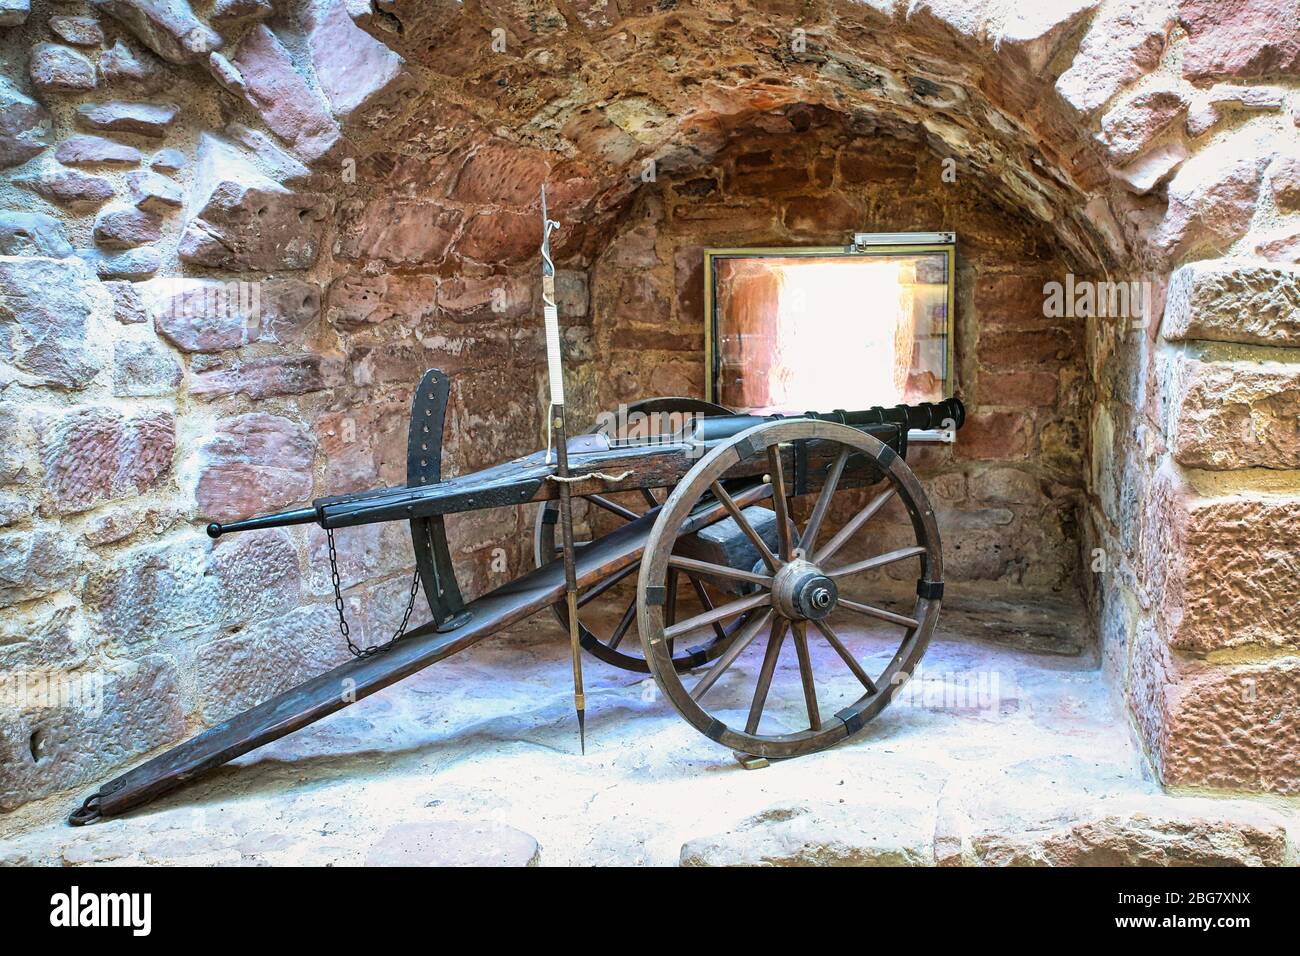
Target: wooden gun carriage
727	530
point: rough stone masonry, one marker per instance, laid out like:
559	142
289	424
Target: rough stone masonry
233	233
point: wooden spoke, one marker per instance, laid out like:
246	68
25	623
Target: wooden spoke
743	523
742	641
777	474
606	629
624	623
707	603
735	626
774	642
823	505
627	514
800	629
879	561
833	640
710	514
604	584
852	525
763	599
670	606
670	598
879	613
721	570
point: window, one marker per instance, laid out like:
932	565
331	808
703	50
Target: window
816	329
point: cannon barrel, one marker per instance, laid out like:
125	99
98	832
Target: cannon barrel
388	504
950	413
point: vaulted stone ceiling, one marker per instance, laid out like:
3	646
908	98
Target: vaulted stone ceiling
603	94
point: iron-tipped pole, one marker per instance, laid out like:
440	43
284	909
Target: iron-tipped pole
559	435
282	519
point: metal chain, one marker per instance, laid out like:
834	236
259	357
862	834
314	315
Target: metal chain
343	621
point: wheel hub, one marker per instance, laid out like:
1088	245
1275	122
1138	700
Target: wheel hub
802	592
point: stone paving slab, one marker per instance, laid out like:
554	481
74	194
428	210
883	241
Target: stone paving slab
991	756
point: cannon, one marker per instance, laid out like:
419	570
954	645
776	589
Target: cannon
717	517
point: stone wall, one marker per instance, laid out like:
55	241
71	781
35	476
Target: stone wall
233	232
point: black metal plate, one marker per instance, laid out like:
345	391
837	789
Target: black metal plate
424	467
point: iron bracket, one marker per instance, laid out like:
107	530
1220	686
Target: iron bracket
429	535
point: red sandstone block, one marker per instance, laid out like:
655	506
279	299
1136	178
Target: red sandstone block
1226	569
994	435
1012	301
402	233
253	464
1245	301
818	215
500	236
1237	415
1017	388
724	218
1231	727
364	447
1023	349
94	454
501	174
775	179
688	277
1243	39
859	168
655	338
823	171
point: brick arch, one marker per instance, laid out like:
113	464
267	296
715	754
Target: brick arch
369	167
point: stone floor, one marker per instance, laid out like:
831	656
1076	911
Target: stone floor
1006	748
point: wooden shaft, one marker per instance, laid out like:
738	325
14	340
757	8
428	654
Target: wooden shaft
566	537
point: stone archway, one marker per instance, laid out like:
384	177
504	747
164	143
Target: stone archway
367	172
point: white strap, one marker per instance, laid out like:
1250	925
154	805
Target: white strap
591	474
553	364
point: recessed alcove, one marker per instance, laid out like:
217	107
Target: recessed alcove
1011	492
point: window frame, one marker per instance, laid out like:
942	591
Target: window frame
864	246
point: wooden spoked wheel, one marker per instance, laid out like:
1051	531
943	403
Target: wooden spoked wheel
798	593
614	639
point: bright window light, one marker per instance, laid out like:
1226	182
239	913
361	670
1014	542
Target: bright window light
800	333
